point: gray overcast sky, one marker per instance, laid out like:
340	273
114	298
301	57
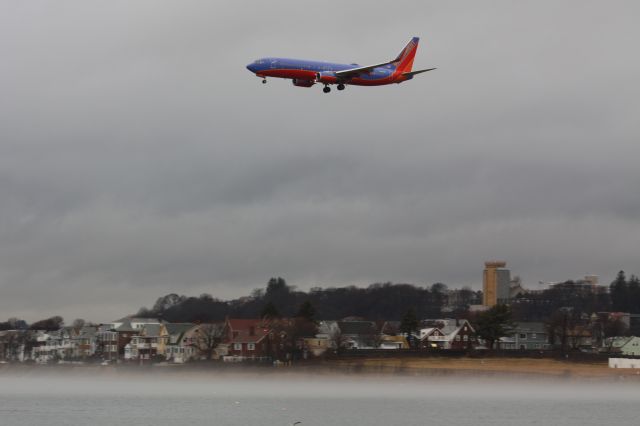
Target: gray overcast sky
139	157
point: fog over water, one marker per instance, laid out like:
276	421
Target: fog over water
314	400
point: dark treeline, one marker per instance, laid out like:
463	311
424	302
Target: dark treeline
392	301
539	306
625	294
380	302
376	302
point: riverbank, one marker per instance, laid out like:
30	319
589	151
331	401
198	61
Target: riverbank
486	367
432	367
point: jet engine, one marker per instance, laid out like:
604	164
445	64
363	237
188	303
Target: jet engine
303	83
326	77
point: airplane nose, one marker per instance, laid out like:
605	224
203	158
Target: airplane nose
252	67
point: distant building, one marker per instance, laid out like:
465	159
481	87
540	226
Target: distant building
496	281
624	363
456	334
527	336
626	346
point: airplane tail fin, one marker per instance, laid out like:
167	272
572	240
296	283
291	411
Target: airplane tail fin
404	61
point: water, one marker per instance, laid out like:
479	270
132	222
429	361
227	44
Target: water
56	400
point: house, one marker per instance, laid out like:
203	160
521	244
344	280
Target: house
136	323
329	331
247	338
455	334
112	338
432	338
356	334
317	346
624	363
390	328
84	341
65	344
143	345
527	336
393	342
52	346
624	346
176	342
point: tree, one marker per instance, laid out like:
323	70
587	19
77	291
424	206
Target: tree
13	324
409	323
466	296
77	324
619	291
615	328
277	287
14	345
633	290
269	311
166	302
565	326
49	324
306	311
207	339
494	324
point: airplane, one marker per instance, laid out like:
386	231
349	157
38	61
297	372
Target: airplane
307	73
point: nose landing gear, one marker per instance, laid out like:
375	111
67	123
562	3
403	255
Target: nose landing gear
264	81
326	89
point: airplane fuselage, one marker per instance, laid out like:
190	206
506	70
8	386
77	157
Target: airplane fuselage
309	71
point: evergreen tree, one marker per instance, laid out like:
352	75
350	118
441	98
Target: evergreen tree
270	311
494	324
409	322
619	292
633	300
306	311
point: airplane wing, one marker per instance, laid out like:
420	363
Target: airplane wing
353	72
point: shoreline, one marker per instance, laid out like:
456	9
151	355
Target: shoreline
515	368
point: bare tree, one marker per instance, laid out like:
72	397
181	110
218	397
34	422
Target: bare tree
77	324
14	344
207	338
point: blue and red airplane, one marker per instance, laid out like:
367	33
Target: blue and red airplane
307	73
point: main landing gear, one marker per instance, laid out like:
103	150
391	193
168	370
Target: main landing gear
327	89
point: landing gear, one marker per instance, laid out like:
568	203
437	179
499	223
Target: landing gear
264	81
340	86
326	89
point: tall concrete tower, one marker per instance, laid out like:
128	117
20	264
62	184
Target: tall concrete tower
495	283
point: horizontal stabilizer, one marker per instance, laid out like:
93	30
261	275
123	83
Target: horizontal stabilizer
412	73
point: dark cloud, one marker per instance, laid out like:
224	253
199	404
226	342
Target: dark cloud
139	157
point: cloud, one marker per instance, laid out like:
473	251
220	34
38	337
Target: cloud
139	157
